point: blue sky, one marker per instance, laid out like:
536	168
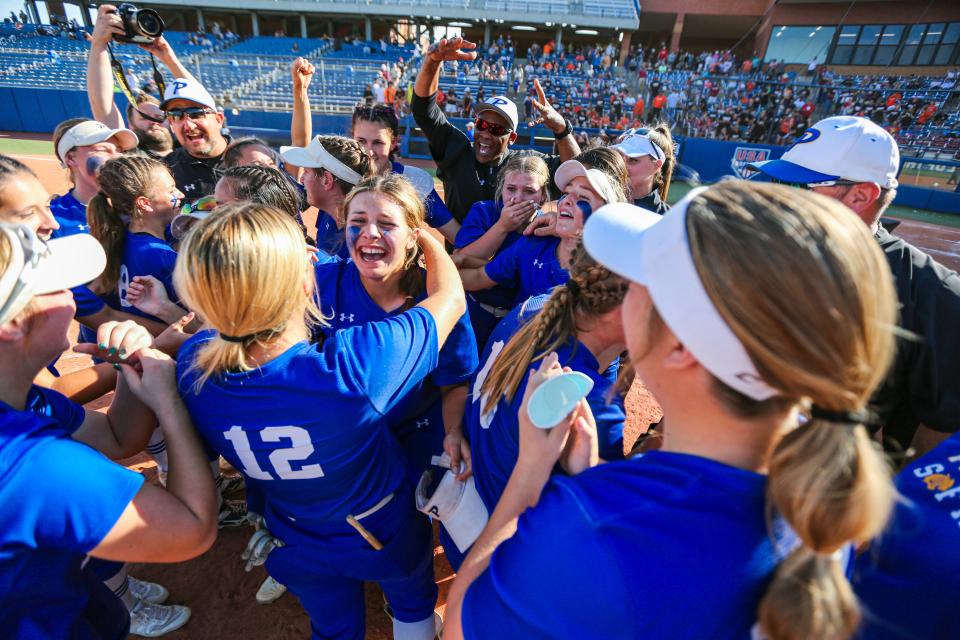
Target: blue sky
6	6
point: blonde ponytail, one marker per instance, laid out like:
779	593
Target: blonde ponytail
827	478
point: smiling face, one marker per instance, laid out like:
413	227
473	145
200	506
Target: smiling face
201	137
256	154
23	200
519	186
49	319
85	162
487	147
378	236
579	201
164	198
377	140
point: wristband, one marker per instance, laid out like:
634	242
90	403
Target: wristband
567	130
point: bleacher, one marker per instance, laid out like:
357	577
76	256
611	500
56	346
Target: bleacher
282	46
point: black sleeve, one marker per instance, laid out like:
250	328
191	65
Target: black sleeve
442	137
934	377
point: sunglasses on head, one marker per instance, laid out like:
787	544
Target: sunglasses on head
493	128
150	118
366	111
806	186
194	113
206	203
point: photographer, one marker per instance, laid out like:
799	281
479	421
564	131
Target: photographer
145	117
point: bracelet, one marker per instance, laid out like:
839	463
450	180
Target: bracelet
567	130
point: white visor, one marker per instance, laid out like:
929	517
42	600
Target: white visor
636	146
658	257
315	156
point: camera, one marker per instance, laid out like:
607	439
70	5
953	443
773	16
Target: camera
140	26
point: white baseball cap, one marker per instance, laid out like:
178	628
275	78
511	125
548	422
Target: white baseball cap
38	267
599	181
502	105
654	251
187	89
315	156
637	145
838	148
92	132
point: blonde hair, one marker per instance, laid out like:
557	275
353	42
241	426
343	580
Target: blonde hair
660	136
243	270
531	165
402	192
594	291
121	181
760	248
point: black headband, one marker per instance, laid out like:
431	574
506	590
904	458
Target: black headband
860	416
238	339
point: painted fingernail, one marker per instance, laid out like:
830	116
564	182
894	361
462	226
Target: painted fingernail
102	345
123	354
112	350
116	366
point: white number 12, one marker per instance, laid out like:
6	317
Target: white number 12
300	449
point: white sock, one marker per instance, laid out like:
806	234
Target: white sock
422	630
157	448
119	583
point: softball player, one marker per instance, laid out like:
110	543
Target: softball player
382	279
581	323
712	327
48	443
535	265
305	423
648	154
492	226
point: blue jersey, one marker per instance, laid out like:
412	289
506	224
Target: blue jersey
436	214
908	579
667	545
345	301
530	264
145	255
494	438
330	238
67	497
88	303
70	214
308	428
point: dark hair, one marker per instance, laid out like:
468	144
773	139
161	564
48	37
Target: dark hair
141	98
350	153
266	185
121	180
660	136
10	167
382	114
233	154
611	163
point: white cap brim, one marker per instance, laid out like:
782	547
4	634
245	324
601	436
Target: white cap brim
598	180
315	156
75	137
656	254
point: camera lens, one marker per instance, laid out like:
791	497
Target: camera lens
150	23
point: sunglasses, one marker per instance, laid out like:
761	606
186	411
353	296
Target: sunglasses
194	113
33	250
150	118
206	203
806	186
496	130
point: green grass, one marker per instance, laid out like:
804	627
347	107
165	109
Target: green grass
17	146
680	189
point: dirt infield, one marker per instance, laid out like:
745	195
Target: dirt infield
221	594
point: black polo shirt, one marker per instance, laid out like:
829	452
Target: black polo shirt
465	181
923	385
196	177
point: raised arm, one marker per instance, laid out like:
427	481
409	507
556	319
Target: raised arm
179	522
301	126
445	300
424	106
165	54
99	75
567	145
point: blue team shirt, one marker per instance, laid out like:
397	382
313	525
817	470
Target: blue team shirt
145	255
437	213
330	238
530	264
481	217
345	301
907	580
494	438
71	214
60	498
666	545
308	428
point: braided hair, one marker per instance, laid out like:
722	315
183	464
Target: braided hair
269	186
592	291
